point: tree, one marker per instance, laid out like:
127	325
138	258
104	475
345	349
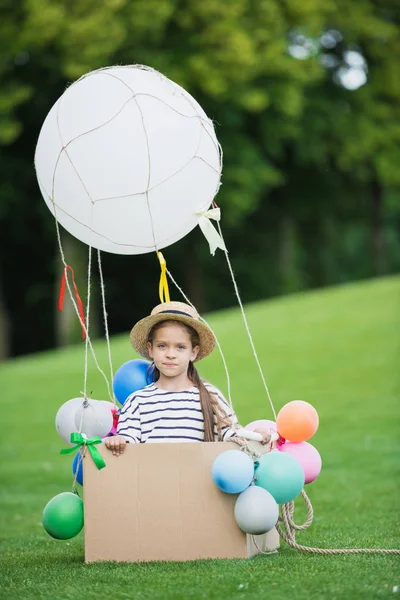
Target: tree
303	155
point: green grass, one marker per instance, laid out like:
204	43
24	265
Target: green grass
337	348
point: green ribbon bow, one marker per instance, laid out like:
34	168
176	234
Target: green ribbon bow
80	440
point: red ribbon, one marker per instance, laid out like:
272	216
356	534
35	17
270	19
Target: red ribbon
78	298
115	415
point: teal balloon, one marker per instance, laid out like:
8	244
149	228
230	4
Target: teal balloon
281	475
62	516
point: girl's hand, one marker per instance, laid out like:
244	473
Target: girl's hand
116	444
266	435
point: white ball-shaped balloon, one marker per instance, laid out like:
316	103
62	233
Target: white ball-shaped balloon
94	418
256	511
126	158
65	419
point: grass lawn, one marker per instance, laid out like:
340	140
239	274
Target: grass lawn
337	349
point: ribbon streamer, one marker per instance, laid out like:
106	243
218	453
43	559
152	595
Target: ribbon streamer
78	298
163	289
81	440
211	234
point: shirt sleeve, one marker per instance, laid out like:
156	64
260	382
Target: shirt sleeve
229	430
129	426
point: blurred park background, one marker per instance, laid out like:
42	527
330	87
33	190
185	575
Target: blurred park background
305	97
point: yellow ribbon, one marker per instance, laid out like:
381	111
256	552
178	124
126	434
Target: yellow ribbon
163	286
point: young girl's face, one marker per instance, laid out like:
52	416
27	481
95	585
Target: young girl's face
172	350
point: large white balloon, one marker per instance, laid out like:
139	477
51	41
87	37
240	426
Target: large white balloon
126	158
65	419
256	511
94	418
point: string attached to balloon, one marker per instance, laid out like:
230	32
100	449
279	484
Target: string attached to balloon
76	308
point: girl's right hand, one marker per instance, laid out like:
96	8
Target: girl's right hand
116	444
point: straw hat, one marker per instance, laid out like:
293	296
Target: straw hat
172	311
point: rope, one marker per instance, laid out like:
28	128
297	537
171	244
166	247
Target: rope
103	301
288	530
87	321
82	453
246	323
75	304
228	381
288	533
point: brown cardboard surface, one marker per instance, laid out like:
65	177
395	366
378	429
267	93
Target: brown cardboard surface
158	502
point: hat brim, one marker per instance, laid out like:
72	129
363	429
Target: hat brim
140	333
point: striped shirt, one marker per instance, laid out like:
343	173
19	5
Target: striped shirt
155	415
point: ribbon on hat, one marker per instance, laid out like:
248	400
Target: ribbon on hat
163	285
78	298
210	233
80	440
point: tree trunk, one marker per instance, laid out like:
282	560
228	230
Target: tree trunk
4	327
378	251
289	273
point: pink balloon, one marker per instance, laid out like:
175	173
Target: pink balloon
308	457
261	424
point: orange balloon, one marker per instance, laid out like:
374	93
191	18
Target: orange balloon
297	421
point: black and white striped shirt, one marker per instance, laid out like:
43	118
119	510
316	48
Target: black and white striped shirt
156	415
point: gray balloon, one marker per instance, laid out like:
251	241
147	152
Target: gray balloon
256	511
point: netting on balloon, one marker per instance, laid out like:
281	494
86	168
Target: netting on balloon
205	129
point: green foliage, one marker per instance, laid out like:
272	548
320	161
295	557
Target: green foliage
299	148
332	348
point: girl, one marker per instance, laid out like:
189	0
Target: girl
179	406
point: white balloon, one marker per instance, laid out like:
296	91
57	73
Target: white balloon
94	418
256	511
126	158
65	419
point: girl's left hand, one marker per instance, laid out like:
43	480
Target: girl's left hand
266	435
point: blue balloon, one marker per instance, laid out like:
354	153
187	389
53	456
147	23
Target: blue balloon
132	376
233	471
79	474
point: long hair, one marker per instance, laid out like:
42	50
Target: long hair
212	412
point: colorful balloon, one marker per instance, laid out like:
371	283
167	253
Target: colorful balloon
62	516
77	468
281	475
65	419
256	511
94	418
132	376
308	457
297	421
233	471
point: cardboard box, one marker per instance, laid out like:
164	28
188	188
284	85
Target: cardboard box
158	502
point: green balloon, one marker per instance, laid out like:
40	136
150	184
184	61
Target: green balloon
281	475
62	516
